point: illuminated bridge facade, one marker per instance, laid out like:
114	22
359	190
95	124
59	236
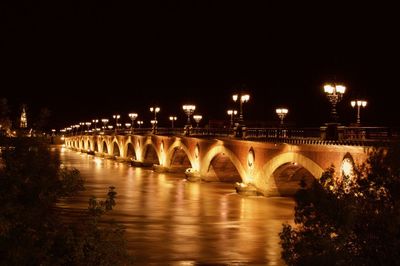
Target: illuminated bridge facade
273	162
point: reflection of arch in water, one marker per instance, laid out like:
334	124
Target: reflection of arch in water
282	174
223	165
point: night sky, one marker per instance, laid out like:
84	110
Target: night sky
63	54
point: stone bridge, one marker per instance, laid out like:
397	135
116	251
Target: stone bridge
274	168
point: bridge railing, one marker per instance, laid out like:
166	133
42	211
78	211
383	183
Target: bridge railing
277	134
283	133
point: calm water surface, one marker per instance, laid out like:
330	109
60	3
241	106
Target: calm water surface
170	221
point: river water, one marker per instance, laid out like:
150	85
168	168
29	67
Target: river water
170	221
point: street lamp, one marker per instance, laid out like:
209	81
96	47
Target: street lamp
154	125
334	94
116	117
104	121
172	119
242	97
189	110
95	121
197	118
281	112
155	110
231	113
133	116
76	129
140	123
359	104
81	124
88	125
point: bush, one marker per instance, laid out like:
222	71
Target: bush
348	221
32	232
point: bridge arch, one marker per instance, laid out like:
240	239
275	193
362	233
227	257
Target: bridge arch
178	155
130	152
150	154
115	149
82	144
88	145
104	147
222	164
282	174
95	146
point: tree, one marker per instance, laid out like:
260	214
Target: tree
348	221
5	121
32	229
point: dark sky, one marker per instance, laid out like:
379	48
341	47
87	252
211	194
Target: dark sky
91	59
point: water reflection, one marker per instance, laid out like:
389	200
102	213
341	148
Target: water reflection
170	221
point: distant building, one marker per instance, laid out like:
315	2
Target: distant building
23	121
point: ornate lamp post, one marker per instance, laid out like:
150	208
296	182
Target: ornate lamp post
242	97
116	117
95	121
358	104
334	94
282	112
172	119
140	123
189	110
82	124
133	116
76	129
154	110
197	118
231	113
105	122
88	125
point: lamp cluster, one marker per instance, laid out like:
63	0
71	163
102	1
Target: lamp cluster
334	93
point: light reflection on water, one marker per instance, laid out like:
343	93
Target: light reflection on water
170	221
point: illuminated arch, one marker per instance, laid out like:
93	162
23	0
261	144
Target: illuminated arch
104	147
116	151
129	150
220	149
145	151
266	180
95	146
179	145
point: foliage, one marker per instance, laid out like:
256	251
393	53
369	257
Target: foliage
32	229
348	221
5	121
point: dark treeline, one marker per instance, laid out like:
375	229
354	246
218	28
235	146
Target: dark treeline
32	231
349	220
